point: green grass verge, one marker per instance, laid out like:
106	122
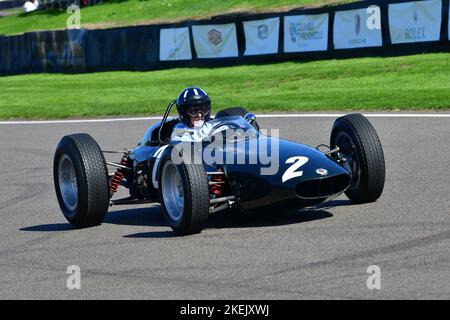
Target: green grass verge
130	12
400	83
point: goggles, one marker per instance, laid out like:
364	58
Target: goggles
195	111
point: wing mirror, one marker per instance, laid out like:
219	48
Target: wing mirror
250	117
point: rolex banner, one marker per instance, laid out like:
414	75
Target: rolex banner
215	41
174	44
306	33
261	36
357	28
418	21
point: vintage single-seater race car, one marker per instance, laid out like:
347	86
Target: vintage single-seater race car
189	191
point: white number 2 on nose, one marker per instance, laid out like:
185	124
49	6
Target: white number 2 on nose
292	172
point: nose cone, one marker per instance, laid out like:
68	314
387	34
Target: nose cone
286	164
299	162
295	174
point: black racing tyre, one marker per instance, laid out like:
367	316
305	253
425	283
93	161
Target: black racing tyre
81	180
184	194
235	111
360	145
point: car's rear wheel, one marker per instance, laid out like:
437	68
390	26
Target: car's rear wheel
184	193
360	145
81	180
237	111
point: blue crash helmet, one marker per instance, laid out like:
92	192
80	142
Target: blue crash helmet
192	101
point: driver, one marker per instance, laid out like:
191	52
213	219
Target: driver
194	109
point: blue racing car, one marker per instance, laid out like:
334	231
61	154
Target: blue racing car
230	164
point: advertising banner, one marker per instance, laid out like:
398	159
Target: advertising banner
174	44
215	41
261	36
417	21
306	33
354	29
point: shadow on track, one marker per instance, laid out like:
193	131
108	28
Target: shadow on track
152	217
224	220
237	219
50	227
152	235
264	218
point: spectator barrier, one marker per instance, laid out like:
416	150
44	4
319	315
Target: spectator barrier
15	54
344	31
10	4
58	51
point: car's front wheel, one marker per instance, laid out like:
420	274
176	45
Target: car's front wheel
360	145
184	193
81	180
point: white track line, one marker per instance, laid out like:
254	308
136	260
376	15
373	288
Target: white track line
369	115
298	115
80	120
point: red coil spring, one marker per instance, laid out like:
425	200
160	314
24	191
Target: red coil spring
115	181
217	186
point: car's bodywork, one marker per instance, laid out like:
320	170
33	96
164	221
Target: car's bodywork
304	176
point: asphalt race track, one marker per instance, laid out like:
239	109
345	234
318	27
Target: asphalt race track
322	254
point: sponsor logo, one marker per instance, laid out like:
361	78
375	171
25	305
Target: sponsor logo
215	37
263	31
322	172
304	32
415	33
357	24
174	53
